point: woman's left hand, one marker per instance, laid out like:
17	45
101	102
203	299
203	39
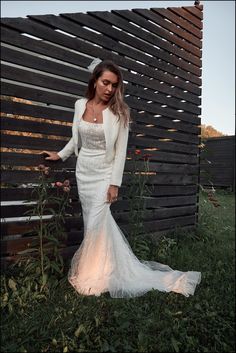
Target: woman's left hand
112	193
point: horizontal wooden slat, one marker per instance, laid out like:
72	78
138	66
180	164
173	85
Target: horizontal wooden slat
150	202
155	132
15	124
29	77
22	230
42	64
41	95
38	95
179	20
160	121
15	38
169	224
13	194
11	37
35	111
41	80
140	18
146	45
129	165
44	32
163	145
177	25
27	142
194	17
23	177
195	10
35	127
26	193
155	108
26	159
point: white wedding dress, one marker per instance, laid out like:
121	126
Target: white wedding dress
104	261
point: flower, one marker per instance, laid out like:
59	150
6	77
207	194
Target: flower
44	169
138	151
58	184
41	167
66	182
66	189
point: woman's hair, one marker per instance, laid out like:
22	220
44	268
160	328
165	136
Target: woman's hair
116	103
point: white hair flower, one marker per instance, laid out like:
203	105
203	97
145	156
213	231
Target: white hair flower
93	64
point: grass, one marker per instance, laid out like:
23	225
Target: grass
63	321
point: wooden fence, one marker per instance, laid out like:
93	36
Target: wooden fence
218	162
44	70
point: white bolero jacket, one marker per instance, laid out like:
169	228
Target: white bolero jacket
116	137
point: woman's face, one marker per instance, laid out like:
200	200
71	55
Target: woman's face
106	85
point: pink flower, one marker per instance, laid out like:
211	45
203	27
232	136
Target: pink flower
46	171
66	182
41	167
58	184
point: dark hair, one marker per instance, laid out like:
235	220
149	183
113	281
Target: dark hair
116	103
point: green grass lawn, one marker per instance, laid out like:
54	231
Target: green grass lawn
63	321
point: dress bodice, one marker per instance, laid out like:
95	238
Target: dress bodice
92	135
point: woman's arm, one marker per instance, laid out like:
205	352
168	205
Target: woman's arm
67	151
120	155
69	148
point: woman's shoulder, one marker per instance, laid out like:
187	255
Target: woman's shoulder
80	101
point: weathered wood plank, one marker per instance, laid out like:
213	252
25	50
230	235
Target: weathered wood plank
161	28
37	95
37	29
104	26
36	111
35	127
179	20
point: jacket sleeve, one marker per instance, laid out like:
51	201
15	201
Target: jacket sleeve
67	151
69	148
120	155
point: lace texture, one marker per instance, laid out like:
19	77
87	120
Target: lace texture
92	135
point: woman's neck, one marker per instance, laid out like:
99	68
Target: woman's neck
99	102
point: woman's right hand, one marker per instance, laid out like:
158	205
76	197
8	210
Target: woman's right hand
52	156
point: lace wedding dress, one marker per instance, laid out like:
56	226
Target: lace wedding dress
104	262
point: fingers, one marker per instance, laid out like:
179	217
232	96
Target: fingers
48	155
111	198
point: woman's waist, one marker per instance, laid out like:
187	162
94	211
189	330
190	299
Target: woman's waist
92	151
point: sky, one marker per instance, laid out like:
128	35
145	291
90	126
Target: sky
218	52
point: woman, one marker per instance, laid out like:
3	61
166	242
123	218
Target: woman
104	261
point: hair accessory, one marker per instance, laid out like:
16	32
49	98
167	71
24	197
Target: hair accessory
93	64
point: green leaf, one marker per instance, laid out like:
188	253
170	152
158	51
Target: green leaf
175	344
27	251
44	279
56	267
